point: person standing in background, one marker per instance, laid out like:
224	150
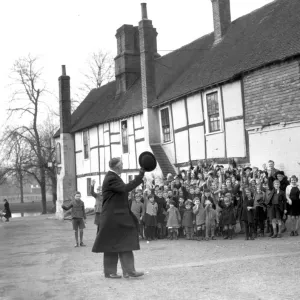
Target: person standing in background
98	204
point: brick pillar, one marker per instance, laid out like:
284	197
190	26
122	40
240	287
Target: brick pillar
66	177
222	18
148	53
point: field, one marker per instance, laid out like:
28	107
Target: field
29	207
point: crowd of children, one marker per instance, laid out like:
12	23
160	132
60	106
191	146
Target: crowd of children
209	200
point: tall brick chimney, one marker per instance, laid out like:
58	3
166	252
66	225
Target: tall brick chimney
64	102
222	18
148	49
127	61
66	174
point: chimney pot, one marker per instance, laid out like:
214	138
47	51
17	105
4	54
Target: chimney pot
144	11
64	73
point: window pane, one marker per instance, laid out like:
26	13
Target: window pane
212	104
124	136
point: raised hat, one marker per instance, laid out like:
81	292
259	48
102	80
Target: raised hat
147	161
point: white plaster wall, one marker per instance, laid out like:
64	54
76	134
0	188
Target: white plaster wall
87	164
102	159
102	178
169	149
93	137
179	114
232	99
115	126
215	145
140	147
197	146
139	134
116	150
235	139
138	121
78	141
94	160
79	163
132	155
182	146
107	157
125	160
277	143
115	138
106	138
101	134
129	125
194	107
105	126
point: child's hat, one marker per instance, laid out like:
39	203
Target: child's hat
247	168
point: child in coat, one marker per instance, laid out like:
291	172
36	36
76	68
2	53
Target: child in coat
198	211
137	208
78	217
161	213
150	218
227	217
187	221
181	208
211	220
248	213
259	211
276	206
173	220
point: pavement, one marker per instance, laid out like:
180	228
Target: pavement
38	261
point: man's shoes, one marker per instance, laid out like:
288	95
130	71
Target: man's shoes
125	275
135	274
113	276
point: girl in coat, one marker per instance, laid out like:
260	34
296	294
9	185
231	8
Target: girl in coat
259	211
173	220
248	213
227	217
276	206
293	198
211	220
198	211
150	218
187	221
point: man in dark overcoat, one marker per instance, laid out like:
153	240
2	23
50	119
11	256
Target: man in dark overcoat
118	229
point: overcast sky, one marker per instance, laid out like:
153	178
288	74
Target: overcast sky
65	32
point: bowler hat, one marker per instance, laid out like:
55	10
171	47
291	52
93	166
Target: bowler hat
147	161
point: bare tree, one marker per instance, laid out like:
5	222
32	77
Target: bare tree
27	101
100	70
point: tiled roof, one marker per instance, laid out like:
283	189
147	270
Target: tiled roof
268	34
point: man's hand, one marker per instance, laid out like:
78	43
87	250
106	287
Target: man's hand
142	171
290	202
93	182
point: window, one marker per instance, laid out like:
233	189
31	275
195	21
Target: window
165	123
88	186
213	112
124	136
86	144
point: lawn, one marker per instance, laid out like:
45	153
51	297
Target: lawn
28	207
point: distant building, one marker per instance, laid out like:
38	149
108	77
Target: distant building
234	92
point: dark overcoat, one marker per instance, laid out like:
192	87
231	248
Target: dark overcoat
118	228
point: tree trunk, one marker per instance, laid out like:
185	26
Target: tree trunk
21	187
43	190
54	191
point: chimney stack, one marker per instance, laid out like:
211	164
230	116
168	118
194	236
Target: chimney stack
148	50
144	11
64	102
222	18
127	61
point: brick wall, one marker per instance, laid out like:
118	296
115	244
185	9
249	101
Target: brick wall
272	94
